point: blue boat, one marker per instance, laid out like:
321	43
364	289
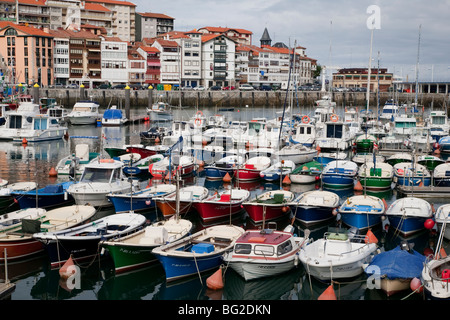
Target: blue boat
314	207
50	196
409	174
197	253
441	175
397	267
220	168
408	215
114	117
362	211
278	170
339	174
140	200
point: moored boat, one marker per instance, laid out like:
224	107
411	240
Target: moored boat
278	171
268	206
376	176
411	174
252	168
362	211
307	173
50	196
314	207
186	196
339	174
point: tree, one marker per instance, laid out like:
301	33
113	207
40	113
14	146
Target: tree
317	72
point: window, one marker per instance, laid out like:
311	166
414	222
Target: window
25	52
284	248
264	250
37	41
25	41
242	248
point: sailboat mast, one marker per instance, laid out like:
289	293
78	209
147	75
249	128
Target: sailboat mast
369	72
417	69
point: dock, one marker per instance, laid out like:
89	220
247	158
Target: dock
424	192
6	288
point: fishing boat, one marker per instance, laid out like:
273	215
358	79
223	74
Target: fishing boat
365	142
134	251
338	255
429	161
114	117
297	153
334	135
186	195
375	176
278	171
84	112
167	167
362	211
265	253
20	244
390	110
339	174
12	221
73	165
363	157
197	253
314	207
399	157
408	215
50	196
7	202
307	173
305	133
82	242
441	175
99	179
252	168
160	111
442	218
139	168
396	268
224	204
411	174
43	128
438	124
221	167
268	206
139	200
326	157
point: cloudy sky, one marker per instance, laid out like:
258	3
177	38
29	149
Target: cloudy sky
334	32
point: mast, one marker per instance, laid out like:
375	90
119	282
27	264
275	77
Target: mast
417	69
369	72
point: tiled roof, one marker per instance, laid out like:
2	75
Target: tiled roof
167	43
155	15
25	29
116	2
149	49
95	7
224	30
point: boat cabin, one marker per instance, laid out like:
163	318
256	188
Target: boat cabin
102	173
263	244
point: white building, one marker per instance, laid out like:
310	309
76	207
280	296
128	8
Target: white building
170	57
61	57
114	60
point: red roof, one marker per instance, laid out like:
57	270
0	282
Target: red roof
25	29
117	2
155	15
95	7
259	236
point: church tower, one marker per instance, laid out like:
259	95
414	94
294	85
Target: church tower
265	39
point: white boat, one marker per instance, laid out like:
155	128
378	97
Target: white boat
404	125
438	124
12	221
399	157
305	134
314	207
265	253
296	153
442	219
361	158
278	171
99	178
160	111
43	128
338	255
114	117
334	135
84	112
390	110
73	165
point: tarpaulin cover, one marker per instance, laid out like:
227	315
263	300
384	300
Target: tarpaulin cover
112	114
398	263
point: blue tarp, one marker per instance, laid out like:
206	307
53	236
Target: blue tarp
112	114
398	263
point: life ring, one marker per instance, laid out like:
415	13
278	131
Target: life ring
198	122
199	112
305	119
334	117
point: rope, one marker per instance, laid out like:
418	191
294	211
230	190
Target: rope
198	271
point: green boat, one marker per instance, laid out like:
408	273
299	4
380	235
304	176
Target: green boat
135	250
376	177
399	158
430	162
307	173
115	152
364	143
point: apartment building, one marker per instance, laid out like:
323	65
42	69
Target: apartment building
150	25
240	36
153	69
26	54
380	79
61	57
136	67
114	56
170	57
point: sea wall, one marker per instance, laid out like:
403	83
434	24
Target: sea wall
213	99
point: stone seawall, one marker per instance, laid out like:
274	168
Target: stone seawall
212	99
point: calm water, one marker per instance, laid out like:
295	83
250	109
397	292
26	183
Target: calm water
35	281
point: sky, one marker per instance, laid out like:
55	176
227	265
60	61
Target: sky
407	33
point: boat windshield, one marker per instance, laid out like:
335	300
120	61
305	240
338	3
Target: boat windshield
99	175
82	109
438	120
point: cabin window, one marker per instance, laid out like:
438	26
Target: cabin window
97	175
15	122
40	124
243	248
438	120
308	130
334	131
302	130
284	248
264	250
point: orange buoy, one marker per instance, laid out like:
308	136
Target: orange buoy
421	184
328	294
201	163
370	237
204	142
52	172
385	204
442	254
286	180
157	140
24	141
226	178
358	186
318	148
416	285
67	269
215	281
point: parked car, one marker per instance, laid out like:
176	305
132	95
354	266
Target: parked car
265	87
246	87
229	88
186	88
72	86
104	86
119	86
215	88
199	88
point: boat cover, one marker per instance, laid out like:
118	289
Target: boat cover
398	263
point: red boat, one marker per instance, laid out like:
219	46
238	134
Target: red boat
270	205
251	169
224	204
143	151
19	246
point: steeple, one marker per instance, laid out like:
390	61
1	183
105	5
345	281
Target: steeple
265	39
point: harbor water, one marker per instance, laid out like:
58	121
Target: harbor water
35	281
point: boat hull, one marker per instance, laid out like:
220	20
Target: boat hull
168	207
376	183
262	269
247	174
125	204
409	181
216	173
210	211
259	212
336	181
407	226
127	258
309	215
361	221
20	248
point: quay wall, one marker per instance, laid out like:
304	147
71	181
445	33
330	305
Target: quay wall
236	98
